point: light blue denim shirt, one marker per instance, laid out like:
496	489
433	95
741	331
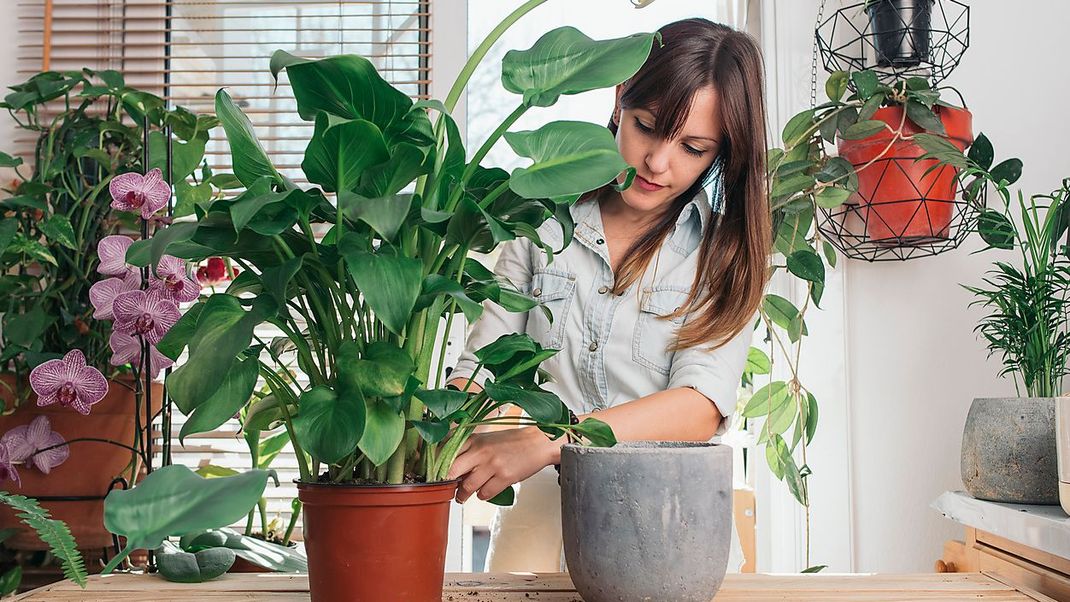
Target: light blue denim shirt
613	348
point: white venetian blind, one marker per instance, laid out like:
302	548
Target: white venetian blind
184	51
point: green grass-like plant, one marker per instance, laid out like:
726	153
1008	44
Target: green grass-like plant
53	532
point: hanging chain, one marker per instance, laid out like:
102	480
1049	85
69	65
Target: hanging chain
813	58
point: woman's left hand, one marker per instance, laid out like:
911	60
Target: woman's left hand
490	462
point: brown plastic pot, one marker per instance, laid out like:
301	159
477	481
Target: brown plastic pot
899	202
87	472
373	543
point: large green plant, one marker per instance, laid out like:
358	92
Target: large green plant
401	206
88	127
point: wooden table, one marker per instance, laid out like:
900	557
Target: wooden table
554	587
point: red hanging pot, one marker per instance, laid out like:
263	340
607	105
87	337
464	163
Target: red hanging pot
368	543
900	203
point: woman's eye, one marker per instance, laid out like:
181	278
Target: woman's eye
694	151
642	127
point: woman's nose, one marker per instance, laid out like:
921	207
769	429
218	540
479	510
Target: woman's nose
657	157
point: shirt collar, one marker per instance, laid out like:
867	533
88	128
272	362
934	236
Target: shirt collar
686	234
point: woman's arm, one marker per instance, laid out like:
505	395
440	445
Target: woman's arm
490	462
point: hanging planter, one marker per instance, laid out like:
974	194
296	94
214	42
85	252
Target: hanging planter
901	30
902	198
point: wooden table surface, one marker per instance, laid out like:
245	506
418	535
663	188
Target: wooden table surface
553	587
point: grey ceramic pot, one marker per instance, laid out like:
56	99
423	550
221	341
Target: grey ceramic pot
647	521
1009	452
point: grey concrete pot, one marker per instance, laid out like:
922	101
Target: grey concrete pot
1009	452
647	521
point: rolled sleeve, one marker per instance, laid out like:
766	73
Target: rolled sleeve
513	267
715	374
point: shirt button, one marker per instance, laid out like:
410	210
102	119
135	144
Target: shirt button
601	242
536	292
603	290
594	346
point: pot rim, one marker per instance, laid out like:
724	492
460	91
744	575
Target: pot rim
648	447
396	486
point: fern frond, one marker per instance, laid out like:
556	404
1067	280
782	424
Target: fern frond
51	531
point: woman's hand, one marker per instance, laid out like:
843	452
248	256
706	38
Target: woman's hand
490	462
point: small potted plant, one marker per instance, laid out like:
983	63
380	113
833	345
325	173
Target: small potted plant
360	308
1009	444
58	290
900	30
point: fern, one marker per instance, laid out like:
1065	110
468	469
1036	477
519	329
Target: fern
53	532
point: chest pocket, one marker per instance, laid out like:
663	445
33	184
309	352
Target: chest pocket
554	290
653	335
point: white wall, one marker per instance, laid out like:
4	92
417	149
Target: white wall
914	362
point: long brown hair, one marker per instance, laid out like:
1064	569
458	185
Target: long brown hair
734	252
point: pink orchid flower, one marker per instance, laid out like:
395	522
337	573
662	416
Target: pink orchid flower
144	194
112	253
103	293
25	444
127	350
174	282
147	314
7	468
69	382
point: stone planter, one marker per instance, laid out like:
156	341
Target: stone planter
1062	425
647	520
1009	452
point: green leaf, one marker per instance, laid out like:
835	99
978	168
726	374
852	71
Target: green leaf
1008	171
271	556
329	426
209	471
341	150
431	432
385	215
8	228
831	197
543	406
836	85
505	498
172	501
10	581
924	117
390	285
830	253
805	264
382	371
865	83
767	400
384	430
941	149
53	532
791	185
186	155
442	402
172	343
7	160
348	86
565	61
598	433
570	157
864	129
58	229
250	160
798	128
232	395
981	152
757	362
996	229
811	417
224	329
870	107
149	252
780	310
814	569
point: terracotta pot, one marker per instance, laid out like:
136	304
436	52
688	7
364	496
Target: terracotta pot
898	201
375	543
87	472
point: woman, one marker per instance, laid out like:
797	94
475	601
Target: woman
654	300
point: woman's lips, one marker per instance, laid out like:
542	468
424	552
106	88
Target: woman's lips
646	184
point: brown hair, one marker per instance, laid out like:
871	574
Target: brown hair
734	252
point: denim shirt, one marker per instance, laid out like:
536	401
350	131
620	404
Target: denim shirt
613	348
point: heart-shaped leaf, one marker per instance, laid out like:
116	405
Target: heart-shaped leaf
390	285
570	157
329	426
250	160
384	431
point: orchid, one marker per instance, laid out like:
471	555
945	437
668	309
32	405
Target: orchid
173	282
36	445
215	272
127	350
69	382
112	253
103	293
144	194
7	468
148	314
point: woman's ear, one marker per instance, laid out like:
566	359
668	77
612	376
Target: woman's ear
616	105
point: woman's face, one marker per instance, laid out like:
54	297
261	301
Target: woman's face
666	168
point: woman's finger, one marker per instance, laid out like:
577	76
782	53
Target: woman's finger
493	487
472	483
